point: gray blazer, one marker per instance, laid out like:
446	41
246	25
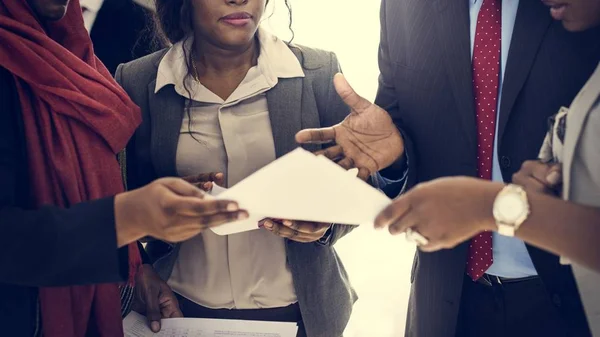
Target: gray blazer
321	283
581	177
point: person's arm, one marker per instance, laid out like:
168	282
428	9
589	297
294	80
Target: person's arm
563	228
49	246
401	175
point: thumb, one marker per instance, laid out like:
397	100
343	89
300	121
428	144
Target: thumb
554	176
348	95
153	310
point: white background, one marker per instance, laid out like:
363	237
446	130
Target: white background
379	265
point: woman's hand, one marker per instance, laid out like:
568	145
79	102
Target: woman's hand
205	181
445	211
537	176
367	139
299	231
170	209
154	298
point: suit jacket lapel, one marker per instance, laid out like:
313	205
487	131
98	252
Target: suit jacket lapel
576	117
166	115
531	24
285	112
453	24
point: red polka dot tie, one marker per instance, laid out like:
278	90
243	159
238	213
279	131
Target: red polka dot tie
486	73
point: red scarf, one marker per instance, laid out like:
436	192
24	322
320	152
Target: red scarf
76	119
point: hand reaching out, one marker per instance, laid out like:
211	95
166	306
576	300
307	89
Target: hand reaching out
367	139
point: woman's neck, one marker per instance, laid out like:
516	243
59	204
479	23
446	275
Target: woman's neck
214	59
221	70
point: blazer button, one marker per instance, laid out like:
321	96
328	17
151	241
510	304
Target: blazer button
505	162
556	300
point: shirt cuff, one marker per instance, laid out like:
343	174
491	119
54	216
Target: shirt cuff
325	240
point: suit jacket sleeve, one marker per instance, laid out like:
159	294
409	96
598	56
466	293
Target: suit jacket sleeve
387	99
48	246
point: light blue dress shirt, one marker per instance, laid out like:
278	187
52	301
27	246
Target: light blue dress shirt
511	258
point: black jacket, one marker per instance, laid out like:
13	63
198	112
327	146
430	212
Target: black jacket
426	84
49	246
122	32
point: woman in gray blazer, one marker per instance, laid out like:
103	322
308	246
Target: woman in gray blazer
229	97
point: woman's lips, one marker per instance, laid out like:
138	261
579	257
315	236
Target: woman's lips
237	19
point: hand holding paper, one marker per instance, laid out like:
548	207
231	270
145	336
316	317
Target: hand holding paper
302	186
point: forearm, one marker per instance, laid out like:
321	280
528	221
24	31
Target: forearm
563	228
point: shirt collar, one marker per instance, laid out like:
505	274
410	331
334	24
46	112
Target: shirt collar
275	61
91	5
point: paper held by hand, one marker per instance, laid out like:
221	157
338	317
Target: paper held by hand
302	186
136	325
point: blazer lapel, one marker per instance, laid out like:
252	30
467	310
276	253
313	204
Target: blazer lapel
166	116
576	117
453	24
531	24
285	111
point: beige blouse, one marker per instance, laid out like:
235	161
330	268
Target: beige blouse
247	270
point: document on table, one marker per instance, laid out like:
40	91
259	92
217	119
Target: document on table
302	186
135	325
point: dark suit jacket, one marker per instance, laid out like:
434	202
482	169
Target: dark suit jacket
49	246
426	84
121	33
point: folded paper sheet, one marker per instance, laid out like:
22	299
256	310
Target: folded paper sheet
302	186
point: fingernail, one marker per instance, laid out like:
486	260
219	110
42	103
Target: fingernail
553	178
243	216
232	207
287	223
268	225
155	326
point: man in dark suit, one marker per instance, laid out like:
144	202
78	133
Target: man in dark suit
470	85
120	30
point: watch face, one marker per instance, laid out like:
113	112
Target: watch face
510	207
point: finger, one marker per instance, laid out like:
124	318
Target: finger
334	153
554	176
288	233
316	136
363	174
197	207
541	171
393	212
406	221
153	309
347	163
182	187
306	227
530	182
169	304
348	95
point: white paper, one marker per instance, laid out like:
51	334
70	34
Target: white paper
135	325
302	186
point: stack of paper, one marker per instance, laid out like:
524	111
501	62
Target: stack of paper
302	186
136	325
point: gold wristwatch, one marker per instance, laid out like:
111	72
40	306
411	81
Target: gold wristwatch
511	209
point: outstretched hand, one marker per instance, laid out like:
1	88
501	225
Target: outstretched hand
366	139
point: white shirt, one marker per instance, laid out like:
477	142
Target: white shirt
247	270
90	12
